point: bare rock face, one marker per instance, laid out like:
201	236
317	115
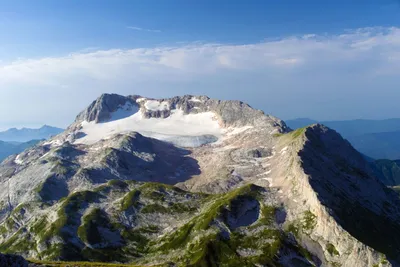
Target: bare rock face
153	181
230	113
101	109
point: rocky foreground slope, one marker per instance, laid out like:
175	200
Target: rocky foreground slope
192	181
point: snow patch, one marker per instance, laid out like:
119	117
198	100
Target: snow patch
195	99
18	161
283	151
178	128
155	105
124	111
54	143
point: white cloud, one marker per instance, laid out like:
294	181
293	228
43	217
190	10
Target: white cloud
142	29
310	75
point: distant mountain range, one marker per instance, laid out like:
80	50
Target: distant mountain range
10	148
378	139
14	141
195	181
27	134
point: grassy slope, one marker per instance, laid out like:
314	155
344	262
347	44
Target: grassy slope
78	264
199	241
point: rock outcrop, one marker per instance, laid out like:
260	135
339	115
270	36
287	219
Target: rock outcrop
197	182
230	113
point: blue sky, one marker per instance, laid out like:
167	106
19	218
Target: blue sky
320	59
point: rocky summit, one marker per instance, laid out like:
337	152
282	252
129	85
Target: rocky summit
194	181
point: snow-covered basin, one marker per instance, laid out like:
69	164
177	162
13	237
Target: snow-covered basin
186	130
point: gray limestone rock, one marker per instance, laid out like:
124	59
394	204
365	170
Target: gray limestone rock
230	113
99	110
315	193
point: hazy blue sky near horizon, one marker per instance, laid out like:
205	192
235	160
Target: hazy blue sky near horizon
321	59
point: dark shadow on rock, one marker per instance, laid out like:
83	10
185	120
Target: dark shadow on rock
68	152
243	211
280	216
79	135
359	202
146	159
53	189
294	254
122	113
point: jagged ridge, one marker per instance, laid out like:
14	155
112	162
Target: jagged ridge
87	203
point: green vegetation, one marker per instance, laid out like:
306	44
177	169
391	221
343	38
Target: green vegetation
211	251
154	190
201	222
60	168
297	133
291	136
309	221
118	183
304	252
66	215
277	134
268	214
332	250
80	264
130	200
219	202
3	230
294	229
211	247
138	238
15	243
88	231
198	242
384	261
181	208
304	225
19	211
154	208
252	241
39	225
157	194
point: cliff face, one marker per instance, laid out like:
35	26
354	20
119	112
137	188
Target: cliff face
192	180
355	214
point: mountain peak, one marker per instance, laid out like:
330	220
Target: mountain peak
28	134
102	107
129	176
179	117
